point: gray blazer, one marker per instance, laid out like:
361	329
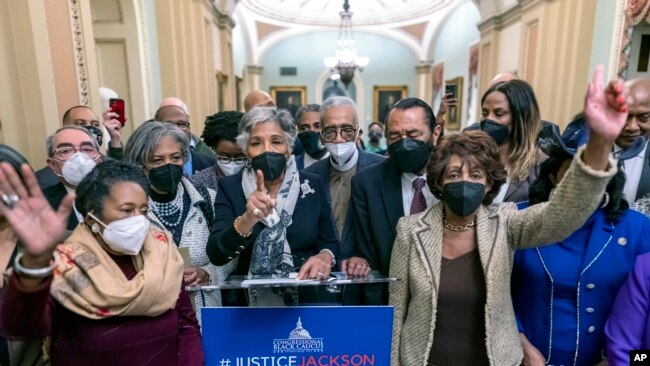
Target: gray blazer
500	230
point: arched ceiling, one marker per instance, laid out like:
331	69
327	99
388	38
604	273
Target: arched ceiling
326	12
413	23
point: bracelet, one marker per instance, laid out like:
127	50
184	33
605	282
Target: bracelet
235	224
33	272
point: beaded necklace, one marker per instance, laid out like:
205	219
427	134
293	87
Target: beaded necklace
169	213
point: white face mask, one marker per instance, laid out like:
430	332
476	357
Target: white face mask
341	152
125	236
231	168
77	167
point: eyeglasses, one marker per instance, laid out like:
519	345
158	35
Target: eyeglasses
183	125
227	159
347	133
63	153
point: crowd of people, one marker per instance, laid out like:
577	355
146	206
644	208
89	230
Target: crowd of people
514	243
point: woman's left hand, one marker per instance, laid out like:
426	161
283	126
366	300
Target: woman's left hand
195	276
317	266
605	108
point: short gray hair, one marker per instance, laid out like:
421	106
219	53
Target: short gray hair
335	102
305	109
140	148
259	115
49	141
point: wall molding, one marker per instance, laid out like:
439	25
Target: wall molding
81	64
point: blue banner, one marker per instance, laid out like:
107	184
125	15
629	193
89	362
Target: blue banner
297	336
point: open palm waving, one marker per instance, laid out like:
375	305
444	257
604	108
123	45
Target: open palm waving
37	225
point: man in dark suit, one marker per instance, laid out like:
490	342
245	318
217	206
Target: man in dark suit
396	187
633	153
309	124
72	154
176	115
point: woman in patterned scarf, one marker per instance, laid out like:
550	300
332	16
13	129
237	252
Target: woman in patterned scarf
111	293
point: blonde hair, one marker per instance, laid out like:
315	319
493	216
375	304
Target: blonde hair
523	152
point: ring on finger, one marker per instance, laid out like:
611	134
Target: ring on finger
257	212
320	274
10	200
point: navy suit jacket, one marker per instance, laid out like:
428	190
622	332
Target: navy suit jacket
55	195
322	168
311	210
376	208
201	161
300	161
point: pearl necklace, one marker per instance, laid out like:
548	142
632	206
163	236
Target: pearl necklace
171	209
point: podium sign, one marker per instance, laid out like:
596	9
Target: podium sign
297	336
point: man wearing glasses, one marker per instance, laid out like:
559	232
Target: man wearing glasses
176	115
72	153
339	132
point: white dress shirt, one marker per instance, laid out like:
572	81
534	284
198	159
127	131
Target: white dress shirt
502	192
408	192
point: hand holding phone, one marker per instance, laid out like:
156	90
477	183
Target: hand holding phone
117	106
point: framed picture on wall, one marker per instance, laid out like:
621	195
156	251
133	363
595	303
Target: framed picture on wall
222	88
289	97
383	99
454	86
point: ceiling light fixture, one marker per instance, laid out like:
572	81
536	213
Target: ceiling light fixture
346	61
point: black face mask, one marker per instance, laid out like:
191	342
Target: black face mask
311	142
410	155
165	178
498	131
270	163
374	136
97	134
464	197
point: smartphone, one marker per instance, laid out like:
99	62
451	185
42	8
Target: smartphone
453	89
117	106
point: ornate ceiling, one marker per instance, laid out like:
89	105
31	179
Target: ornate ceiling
326	12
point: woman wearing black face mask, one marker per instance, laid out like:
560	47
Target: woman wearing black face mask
453	302
175	204
271	217
511	117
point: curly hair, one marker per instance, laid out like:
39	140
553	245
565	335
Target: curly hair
540	191
475	148
96	186
523	152
221	126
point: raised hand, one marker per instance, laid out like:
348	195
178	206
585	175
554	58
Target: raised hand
605	113
258	206
113	127
38	227
605	108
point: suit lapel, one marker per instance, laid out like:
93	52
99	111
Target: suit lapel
428	236
391	192
486	236
513	188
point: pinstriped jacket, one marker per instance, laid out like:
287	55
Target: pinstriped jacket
500	230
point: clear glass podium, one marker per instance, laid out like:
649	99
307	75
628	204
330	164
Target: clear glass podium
333	283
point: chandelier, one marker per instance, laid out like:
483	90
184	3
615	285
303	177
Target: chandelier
346	61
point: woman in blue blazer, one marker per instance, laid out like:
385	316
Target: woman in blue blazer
563	293
271	218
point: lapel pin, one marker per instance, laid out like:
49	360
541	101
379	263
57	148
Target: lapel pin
306	189
622	241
